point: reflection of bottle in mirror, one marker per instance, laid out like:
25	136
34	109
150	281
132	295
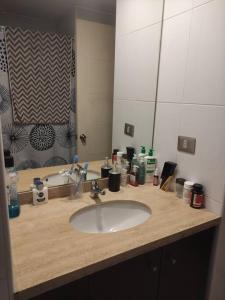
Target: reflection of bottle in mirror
123	177
114	155
40	193
134	176
11	188
105	168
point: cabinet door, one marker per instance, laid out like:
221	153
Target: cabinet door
78	290
134	279
184	268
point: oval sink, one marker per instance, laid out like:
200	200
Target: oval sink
58	179
110	216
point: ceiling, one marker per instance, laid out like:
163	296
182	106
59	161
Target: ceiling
54	8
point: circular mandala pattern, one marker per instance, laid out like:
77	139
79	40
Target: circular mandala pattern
42	137
55	161
73	64
66	136
28	164
15	137
3	60
4	99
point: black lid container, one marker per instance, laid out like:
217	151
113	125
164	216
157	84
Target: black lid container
130	153
114	181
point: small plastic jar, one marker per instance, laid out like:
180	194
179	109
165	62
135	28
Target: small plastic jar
180	187
187	192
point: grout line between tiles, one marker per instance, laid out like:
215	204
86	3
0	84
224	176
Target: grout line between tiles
135	100
187	10
139	29
188	103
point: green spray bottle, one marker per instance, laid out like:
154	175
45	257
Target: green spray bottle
150	165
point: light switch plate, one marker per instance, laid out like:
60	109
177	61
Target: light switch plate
129	129
186	144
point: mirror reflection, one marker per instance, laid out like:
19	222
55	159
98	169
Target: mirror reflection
63	85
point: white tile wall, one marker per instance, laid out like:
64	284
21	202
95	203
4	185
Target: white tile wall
192	95
138	113
174	7
175	46
133	15
166	132
136	64
206	64
138	30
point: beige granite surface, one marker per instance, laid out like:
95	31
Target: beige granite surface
26	176
48	252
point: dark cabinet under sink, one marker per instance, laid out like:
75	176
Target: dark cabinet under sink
176	271
134	279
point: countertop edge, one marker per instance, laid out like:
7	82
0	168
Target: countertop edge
90	269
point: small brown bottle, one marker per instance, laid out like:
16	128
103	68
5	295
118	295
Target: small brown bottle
156	178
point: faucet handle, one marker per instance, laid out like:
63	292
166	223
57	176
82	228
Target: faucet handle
95	189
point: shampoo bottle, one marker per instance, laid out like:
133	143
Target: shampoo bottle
150	165
142	173
143	152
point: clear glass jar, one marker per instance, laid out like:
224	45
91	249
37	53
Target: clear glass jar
180	187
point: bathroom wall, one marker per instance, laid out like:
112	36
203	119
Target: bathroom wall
95	43
138	29
191	93
191	102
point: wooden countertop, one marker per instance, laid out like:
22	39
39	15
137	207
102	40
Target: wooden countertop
47	252
26	176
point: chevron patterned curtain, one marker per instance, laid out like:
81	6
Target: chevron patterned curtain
39	66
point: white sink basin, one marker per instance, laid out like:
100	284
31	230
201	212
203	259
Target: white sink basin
59	179
110	216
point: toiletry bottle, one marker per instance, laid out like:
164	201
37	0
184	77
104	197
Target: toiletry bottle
119	161
156	178
11	182
197	199
187	191
123	177
143	152
130	154
114	179
40	193
105	168
134	176
134	162
150	165
141	173
114	155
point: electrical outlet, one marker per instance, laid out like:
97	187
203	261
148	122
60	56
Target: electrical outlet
186	144
129	129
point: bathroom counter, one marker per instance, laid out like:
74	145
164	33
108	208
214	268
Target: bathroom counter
47	252
26	176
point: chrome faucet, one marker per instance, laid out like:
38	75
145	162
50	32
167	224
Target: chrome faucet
96	191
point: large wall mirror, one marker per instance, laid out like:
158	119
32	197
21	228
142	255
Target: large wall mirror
72	73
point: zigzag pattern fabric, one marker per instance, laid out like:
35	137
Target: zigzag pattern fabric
39	73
